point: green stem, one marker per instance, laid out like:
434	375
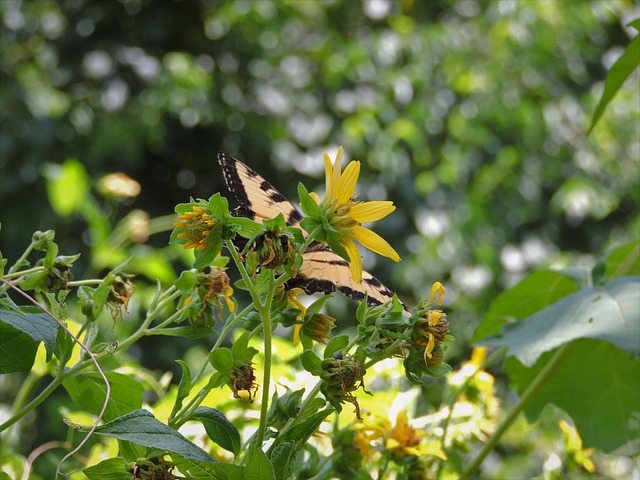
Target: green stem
526	397
265	313
23	259
9	276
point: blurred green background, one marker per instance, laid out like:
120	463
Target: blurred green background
471	116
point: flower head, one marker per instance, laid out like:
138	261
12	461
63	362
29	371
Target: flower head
197	225
400	440
344	216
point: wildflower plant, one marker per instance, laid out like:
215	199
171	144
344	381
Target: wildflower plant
284	391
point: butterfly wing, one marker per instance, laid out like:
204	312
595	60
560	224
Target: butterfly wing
322	270
258	199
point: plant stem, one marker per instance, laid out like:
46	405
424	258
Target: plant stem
526	397
265	313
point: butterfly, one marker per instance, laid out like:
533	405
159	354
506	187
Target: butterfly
322	271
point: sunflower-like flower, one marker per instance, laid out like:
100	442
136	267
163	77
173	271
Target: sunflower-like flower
197	226
344	216
399	440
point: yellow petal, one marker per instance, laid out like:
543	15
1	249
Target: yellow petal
435	451
438	289
355	262
328	175
371	211
374	242
347	183
335	174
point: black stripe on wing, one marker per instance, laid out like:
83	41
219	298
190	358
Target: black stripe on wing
258	199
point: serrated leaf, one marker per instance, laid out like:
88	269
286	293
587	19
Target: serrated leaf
219	429
88	390
258	467
142	428
618	74
530	295
597	384
311	363
610	312
109	469
282	456
39	326
336	344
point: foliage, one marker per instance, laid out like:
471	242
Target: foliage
472	117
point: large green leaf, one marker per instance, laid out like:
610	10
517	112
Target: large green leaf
597	384
610	312
17	350
39	326
142	428
620	71
88	390
195	470
218	428
527	297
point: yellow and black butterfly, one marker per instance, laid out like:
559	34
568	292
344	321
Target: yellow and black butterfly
322	271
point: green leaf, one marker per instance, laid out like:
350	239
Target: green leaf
183	389
39	326
208	255
336	344
17	350
247	227
610	313
67	186
289	443
185	332
624	261
88	390
311	363
109	469
620	71
222	360
258	467
207	471
187	281
533	293
307	203
597	384
218	428
142	428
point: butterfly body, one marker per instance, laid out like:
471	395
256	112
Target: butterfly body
322	271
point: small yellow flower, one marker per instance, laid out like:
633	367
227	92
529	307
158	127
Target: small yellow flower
399	440
577	456
197	225
347	216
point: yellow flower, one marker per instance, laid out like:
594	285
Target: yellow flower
347	216
197	225
576	454
401	439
